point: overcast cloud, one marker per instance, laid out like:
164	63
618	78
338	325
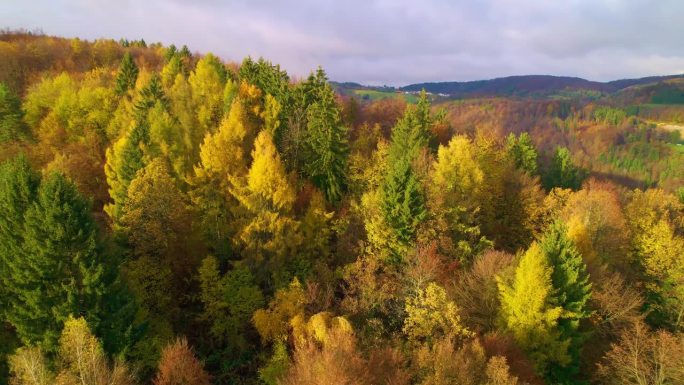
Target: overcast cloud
391	42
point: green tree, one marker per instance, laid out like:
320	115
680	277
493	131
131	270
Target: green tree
572	292
522	151
12	126
402	198
563	172
61	271
326	145
127	76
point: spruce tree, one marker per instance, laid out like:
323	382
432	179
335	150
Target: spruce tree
563	172
522	151
402	196
18	187
128	74
12	126
326	145
572	292
60	272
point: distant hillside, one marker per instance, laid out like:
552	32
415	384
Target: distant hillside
531	85
528	85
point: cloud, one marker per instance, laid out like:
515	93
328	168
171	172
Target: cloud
392	41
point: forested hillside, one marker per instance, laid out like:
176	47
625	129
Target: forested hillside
170	218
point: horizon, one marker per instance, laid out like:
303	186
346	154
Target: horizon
392	43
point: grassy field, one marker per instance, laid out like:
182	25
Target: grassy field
377	95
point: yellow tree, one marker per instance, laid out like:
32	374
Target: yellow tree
529	313
269	234
207	82
454	194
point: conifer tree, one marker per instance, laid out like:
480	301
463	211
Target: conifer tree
326	145
270	234
128	74
62	272
522	151
530	313
402	198
18	188
12	126
572	292
563	172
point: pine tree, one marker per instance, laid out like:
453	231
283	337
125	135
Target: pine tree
128	74
326	145
572	292
530	313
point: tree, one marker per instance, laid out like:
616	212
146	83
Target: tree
402	197
563	172
124	159
572	292
453	198
530	313
326	145
12	126
269	234
229	302
430	314
127	76
207	82
644	357
179	366
61	272
655	220
522	152
83	361
28	366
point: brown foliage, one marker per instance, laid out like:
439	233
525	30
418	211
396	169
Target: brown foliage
179	366
644	357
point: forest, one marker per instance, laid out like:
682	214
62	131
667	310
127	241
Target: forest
170	218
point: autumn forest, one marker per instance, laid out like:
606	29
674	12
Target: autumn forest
169	217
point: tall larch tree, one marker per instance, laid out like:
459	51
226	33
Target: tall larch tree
207	82
270	233
529	311
127	76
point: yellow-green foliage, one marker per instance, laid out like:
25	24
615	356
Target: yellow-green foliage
273	323
430	314
529	313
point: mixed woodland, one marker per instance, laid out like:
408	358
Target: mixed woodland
168	217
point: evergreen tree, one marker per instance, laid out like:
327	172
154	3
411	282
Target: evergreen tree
61	272
530	313
402	197
12	126
563	172
522	151
128	74
326	145
148	97
572	292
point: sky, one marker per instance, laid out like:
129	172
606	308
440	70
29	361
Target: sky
385	42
